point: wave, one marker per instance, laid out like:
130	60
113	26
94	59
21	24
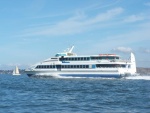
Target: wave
136	77
139	77
72	77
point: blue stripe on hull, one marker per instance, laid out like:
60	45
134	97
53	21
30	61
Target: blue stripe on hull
92	75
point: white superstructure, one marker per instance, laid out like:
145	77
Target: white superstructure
69	64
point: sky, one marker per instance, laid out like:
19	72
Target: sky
34	30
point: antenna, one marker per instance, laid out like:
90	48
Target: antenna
70	50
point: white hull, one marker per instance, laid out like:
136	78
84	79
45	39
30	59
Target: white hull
78	73
15	74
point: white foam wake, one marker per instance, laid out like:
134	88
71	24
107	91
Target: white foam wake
72	77
138	77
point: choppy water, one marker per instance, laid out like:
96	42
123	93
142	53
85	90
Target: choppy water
21	94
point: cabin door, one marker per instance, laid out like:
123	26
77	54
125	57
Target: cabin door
58	67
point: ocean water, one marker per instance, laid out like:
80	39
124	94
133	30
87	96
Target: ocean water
21	94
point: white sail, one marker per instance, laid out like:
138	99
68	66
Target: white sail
133	63
16	71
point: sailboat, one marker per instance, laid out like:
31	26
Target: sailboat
16	71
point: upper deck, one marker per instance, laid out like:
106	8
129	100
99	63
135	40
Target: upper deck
87	58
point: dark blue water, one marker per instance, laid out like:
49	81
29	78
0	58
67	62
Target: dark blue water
21	94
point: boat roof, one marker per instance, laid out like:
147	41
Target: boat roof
99	55
68	53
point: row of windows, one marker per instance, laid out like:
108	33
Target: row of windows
104	57
45	66
75	59
75	66
80	66
86	58
110	65
62	66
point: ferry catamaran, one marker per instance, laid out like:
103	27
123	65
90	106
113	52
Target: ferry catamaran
69	64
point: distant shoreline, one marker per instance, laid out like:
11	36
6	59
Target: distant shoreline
142	70
22	71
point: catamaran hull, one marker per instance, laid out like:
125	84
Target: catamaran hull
74	74
15	74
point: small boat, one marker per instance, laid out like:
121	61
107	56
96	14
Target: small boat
16	71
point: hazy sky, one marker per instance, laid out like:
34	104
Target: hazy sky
33	30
